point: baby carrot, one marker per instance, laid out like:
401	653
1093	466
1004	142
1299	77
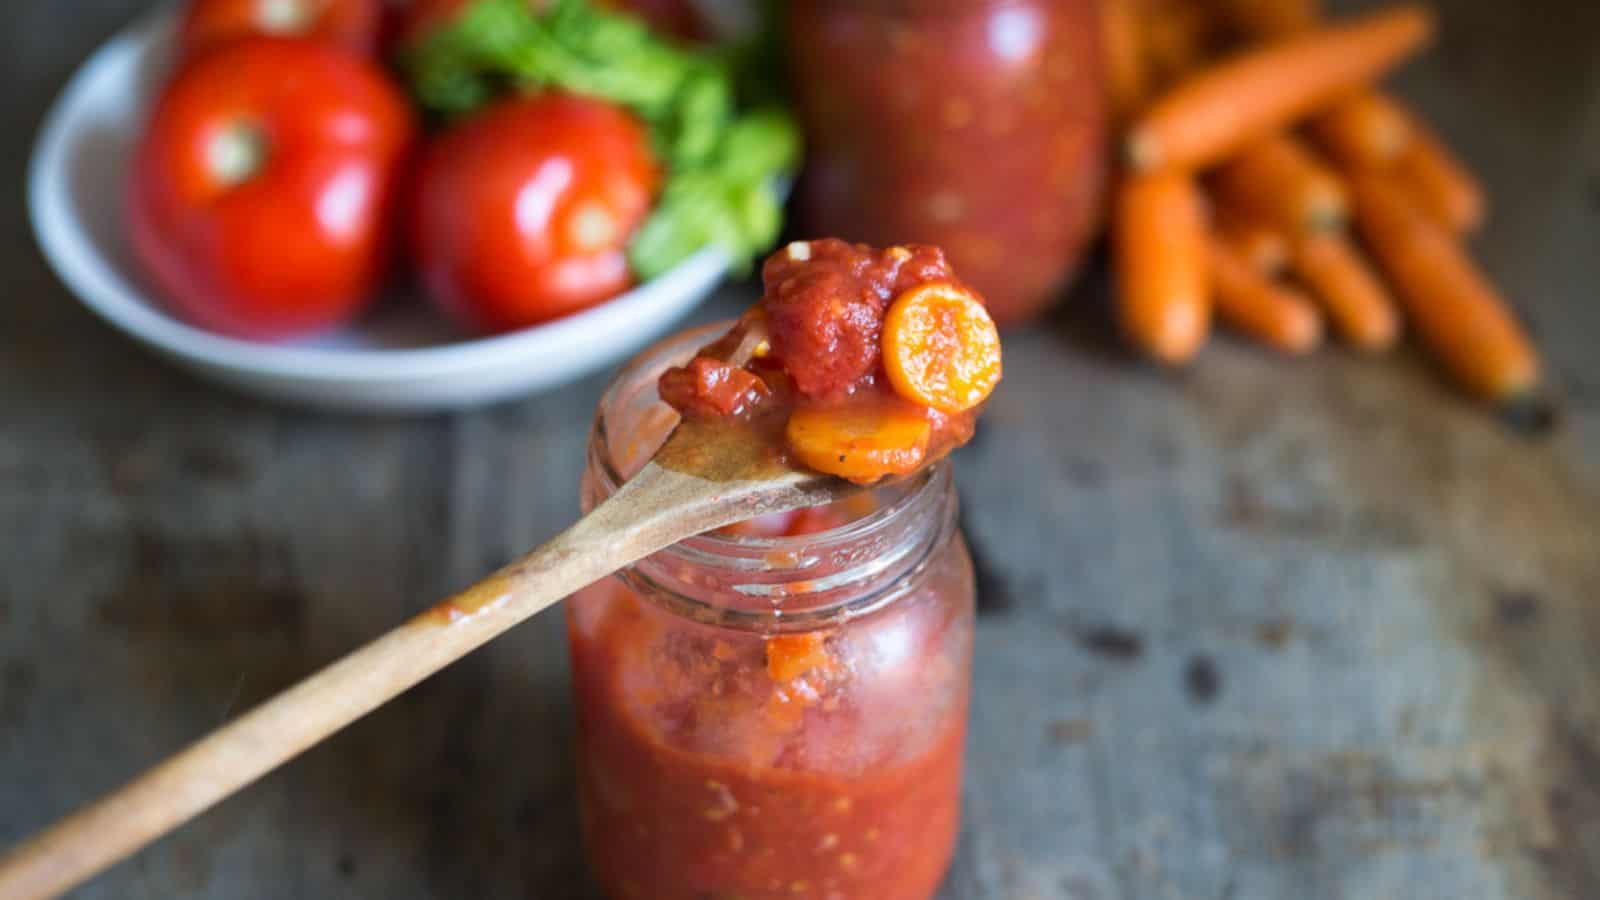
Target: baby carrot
1458	314
1164	299
1439	183
1261	246
1365	129
1278	316
1360	307
1220	108
1127	73
1271	18
1284	184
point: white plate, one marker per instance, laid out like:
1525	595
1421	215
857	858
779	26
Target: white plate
402	357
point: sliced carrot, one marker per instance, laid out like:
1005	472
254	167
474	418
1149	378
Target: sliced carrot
1440	183
1127	71
1262	247
1361	309
1271	18
1365	129
1281	182
861	441
1450	303
1278	316
1164	299
940	348
1223	107
791	655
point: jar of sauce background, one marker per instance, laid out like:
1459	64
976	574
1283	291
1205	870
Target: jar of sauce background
976	125
769	716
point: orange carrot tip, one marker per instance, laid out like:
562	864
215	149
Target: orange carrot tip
1279	317
1440	183
1351	293
1282	182
1364	129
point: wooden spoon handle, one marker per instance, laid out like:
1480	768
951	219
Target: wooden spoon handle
657	508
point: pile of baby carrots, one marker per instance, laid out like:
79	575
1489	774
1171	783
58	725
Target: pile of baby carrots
1267	181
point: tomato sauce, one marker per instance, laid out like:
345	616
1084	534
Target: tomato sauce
767	819
976	125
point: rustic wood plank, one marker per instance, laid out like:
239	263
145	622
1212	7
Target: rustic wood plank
1264	629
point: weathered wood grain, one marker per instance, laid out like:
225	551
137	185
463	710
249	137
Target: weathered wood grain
1265	629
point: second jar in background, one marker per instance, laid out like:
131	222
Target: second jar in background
976	125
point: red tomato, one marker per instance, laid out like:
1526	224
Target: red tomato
209	24
523	211
262	185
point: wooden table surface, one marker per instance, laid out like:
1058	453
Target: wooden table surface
1264	629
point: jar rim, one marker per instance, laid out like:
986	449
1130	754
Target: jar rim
780	569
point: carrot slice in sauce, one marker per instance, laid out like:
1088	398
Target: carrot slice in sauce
791	655
940	348
861	441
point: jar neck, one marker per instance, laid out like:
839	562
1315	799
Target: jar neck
765	583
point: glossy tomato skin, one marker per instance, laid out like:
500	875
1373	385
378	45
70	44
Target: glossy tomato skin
209	24
523	211
262	188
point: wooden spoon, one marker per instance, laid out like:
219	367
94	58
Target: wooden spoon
706	476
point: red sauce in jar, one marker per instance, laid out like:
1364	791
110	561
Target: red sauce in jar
711	767
976	125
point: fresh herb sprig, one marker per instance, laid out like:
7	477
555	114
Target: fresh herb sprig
724	166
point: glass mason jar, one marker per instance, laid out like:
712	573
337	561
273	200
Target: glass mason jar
764	717
976	125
